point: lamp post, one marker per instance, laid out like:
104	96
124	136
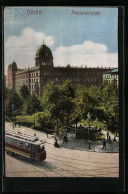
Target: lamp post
89	117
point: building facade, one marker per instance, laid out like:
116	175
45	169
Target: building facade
44	71
112	76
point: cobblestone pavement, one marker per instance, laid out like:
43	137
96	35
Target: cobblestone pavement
72	143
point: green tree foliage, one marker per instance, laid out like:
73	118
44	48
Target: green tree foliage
44	118
13	104
24	92
102	102
59	102
110	106
77	111
66	103
33	105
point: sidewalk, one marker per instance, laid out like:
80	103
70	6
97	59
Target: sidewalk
72	143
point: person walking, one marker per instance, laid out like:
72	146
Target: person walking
89	145
104	144
107	135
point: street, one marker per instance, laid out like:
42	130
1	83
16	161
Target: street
63	162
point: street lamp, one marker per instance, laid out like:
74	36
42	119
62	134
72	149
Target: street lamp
89	117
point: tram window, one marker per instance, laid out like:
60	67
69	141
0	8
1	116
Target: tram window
27	146
10	140
20	143
14	142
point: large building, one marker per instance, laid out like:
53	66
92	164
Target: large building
111	76
44	71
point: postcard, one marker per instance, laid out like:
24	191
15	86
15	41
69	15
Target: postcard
61	87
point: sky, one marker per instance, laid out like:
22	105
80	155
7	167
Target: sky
80	36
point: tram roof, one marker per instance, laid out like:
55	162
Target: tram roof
23	137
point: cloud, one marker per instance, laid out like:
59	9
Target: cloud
89	54
22	49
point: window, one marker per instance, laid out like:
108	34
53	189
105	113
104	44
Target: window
14	142
20	144
27	146
10	140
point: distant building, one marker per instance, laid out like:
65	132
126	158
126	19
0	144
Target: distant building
44	71
111	76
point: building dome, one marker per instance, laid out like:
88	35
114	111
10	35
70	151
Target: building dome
43	50
14	64
9	66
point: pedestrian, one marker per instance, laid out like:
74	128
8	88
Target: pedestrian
55	139
108	135
89	145
66	139
115	139
104	144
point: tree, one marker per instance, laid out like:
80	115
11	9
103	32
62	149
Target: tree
14	104
77	113
67	90
44	118
33	105
110	106
50	102
24	92
66	103
59	102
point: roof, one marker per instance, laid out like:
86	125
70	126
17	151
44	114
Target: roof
23	137
44	50
112	71
115	70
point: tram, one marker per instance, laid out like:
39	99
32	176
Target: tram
24	145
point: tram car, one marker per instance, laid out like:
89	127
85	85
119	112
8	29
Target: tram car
24	145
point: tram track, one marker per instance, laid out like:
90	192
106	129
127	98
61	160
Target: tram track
83	170
82	163
74	171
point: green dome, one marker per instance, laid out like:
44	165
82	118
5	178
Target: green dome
9	66
44	50
14	64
